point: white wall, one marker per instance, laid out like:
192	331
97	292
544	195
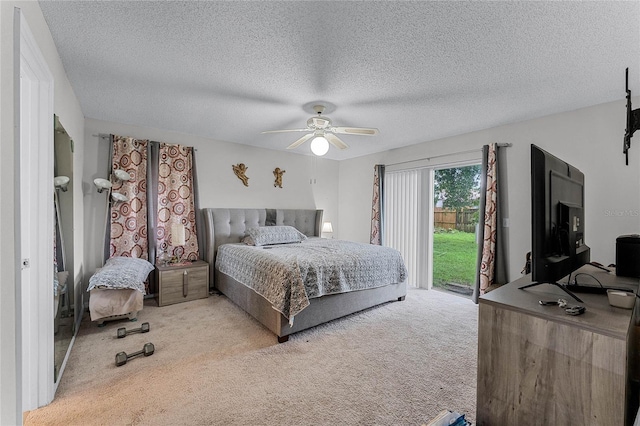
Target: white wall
589	138
8	314
218	185
67	107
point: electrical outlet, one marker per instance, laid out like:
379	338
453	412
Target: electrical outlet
505	222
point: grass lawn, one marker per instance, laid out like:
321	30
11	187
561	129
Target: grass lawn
454	258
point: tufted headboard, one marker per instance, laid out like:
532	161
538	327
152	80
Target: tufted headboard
223	226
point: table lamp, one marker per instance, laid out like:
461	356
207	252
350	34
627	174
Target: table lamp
327	228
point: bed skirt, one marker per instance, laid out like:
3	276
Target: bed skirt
112	304
320	310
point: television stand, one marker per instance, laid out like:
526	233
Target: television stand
562	287
554	368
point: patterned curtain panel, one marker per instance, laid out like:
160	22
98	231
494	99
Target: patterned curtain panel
376	210
129	218
176	233
492	264
487	264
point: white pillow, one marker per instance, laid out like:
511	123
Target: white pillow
269	235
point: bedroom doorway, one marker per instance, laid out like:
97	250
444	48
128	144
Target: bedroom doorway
455	220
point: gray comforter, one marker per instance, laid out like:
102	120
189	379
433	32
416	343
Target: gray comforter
289	275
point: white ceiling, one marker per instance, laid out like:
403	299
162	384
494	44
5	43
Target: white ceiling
418	71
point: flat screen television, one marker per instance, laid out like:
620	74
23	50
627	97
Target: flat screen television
557	219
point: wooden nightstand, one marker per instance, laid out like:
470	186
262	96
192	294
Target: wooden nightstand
183	282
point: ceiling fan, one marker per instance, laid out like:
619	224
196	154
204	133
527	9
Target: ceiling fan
323	133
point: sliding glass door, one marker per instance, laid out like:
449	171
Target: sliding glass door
455	220
415	202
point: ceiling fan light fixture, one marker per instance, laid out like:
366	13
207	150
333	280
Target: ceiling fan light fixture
319	146
321	133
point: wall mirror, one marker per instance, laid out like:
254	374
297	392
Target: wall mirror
63	294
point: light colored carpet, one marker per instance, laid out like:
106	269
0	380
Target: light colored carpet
397	364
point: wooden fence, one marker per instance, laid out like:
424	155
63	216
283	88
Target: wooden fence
463	220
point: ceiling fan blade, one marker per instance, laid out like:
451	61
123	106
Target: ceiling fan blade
336	141
300	141
282	131
355	131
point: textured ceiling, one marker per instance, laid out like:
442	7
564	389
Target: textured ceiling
418	71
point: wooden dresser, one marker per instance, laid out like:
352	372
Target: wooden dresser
538	365
182	282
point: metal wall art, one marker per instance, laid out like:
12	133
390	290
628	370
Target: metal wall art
239	170
278	174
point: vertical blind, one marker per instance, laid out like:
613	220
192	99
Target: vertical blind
408	217
401	229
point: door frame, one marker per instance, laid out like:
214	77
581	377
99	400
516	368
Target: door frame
34	219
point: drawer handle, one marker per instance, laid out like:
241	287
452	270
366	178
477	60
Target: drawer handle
185	284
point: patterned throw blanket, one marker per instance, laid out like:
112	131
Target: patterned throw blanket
291	274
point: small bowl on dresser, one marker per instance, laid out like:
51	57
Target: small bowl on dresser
621	299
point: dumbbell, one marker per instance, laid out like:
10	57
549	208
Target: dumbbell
122	357
122	332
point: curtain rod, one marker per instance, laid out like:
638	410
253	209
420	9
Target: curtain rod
102	136
500	145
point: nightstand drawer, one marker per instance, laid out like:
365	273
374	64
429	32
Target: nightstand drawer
182	283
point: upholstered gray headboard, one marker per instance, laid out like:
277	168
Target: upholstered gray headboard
224	226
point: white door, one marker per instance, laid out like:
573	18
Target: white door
35	223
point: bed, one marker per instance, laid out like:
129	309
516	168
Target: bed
226	228
117	290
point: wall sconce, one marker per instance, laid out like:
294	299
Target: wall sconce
121	175
102	184
112	197
61	182
327	228
118	197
